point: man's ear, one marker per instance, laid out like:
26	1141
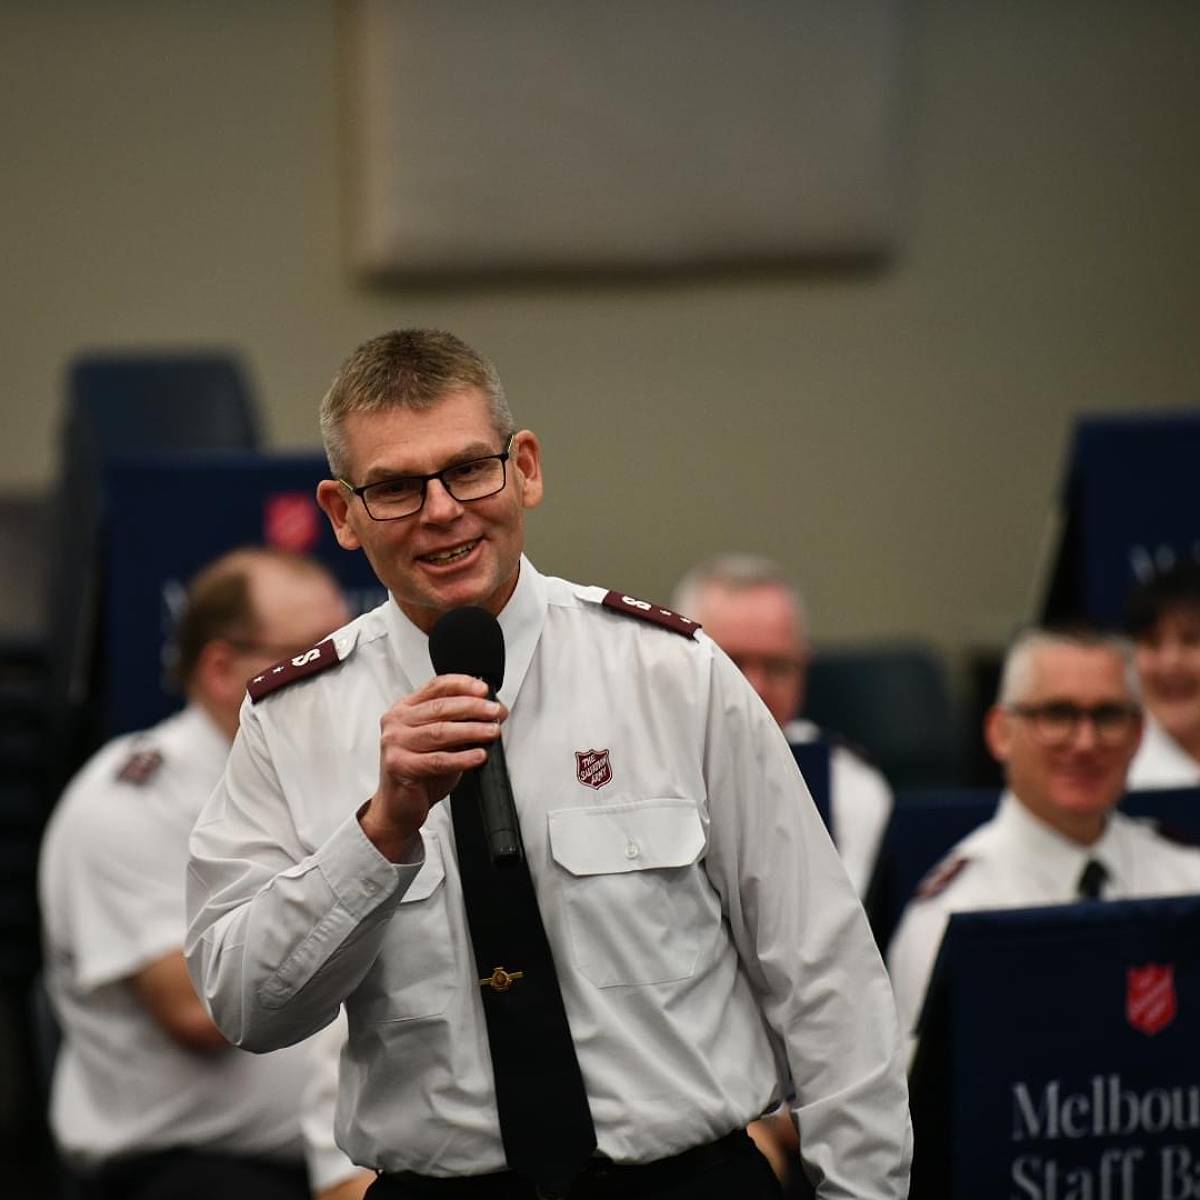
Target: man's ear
997	732
335	503
219	676
527	461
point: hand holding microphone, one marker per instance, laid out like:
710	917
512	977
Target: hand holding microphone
428	739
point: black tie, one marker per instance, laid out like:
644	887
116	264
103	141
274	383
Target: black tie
1091	880
545	1121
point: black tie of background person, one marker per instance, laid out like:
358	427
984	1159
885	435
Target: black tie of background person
545	1121
1092	880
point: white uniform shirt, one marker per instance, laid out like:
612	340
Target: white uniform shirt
1016	860
327	1165
699	916
860	803
1161	762
113	864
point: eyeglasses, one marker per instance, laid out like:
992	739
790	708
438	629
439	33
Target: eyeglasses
404	495
1056	723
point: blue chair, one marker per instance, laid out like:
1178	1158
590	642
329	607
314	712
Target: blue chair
1176	811
117	405
893	700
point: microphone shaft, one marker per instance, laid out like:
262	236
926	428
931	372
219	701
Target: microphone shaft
497	808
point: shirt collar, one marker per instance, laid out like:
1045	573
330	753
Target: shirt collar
1050	853
521	622
201	737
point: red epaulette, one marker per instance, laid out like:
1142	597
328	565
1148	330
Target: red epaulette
288	670
140	767
646	611
941	877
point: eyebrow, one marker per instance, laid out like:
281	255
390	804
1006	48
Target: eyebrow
466	454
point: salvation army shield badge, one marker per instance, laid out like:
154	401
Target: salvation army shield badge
291	521
1150	1003
593	768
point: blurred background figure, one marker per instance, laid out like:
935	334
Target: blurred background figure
1163	618
148	1100
750	608
1065	728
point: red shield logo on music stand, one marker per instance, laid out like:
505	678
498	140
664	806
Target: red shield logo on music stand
593	768
1150	1004
291	522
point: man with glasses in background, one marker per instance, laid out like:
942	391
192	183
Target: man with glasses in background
1065	727
674	927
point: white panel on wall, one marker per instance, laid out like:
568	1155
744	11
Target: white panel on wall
492	135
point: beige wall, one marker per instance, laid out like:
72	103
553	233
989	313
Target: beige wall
171	177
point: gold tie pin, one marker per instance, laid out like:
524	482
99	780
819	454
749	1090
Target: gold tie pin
501	980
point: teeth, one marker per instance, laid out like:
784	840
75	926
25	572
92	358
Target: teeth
450	555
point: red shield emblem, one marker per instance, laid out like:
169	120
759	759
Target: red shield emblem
291	522
593	768
1150	997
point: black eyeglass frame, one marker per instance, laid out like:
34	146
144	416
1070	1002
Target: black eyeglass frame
1112	722
440	476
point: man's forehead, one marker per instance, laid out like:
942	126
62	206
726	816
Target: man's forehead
1063	672
406	439
759	614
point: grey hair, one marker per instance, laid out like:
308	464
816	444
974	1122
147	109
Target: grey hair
1016	677
407	368
736	573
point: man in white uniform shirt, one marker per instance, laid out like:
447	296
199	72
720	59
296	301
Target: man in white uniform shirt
747	605
148	1098
1065	727
702	931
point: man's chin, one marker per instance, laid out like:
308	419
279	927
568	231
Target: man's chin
1085	798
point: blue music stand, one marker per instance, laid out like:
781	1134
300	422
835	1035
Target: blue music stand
1130	502
1058	1054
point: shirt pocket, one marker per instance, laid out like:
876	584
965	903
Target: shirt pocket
636	899
415	971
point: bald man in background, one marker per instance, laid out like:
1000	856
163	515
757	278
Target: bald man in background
148	1099
750	608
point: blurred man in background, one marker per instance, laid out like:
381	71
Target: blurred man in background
1163	618
148	1099
749	607
1065	728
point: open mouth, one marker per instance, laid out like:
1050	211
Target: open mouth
446	558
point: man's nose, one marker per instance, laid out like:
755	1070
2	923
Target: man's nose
440	506
1170	654
1085	734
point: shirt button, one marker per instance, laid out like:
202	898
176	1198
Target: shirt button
632	850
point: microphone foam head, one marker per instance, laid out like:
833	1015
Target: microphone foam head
469	641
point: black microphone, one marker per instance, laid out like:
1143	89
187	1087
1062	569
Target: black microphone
469	641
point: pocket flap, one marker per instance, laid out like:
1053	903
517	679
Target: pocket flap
432	871
614	838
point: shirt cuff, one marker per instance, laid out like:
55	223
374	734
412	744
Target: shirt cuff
358	874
